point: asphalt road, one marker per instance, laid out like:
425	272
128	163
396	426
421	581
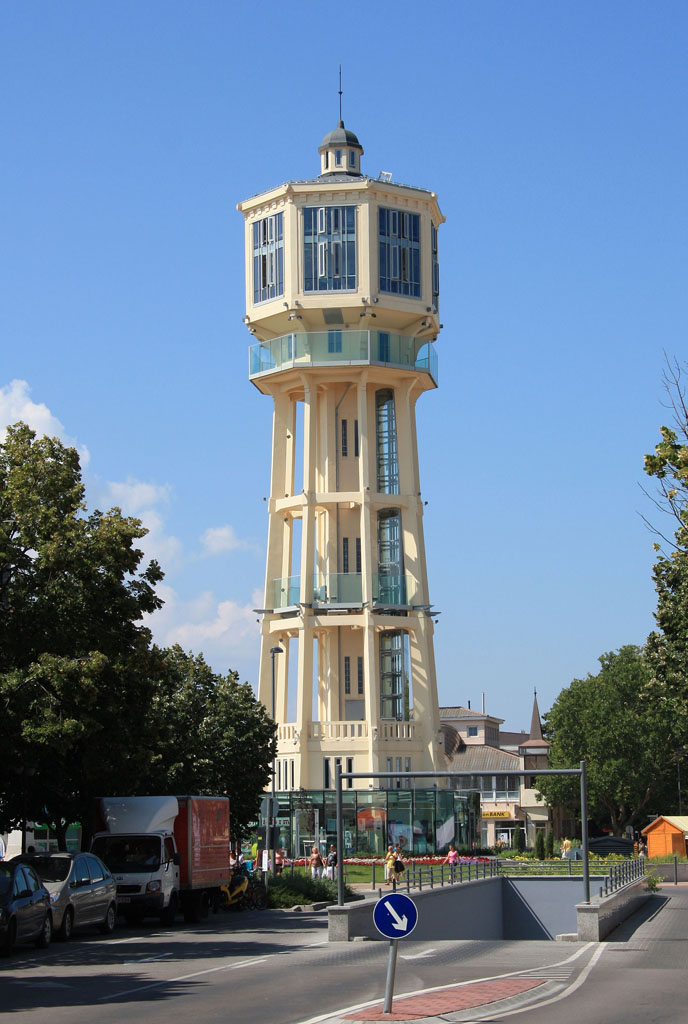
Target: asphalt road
272	967
259	967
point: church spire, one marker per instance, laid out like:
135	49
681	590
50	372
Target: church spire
535	724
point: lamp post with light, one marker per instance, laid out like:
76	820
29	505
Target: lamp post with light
271	817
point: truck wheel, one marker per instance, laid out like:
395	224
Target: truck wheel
169	914
196	907
134	916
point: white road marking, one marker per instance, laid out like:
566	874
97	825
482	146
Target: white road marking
146	959
419	956
567	991
182	977
461	984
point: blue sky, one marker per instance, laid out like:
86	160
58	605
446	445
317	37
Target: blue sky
555	135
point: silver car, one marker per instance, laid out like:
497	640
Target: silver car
82	890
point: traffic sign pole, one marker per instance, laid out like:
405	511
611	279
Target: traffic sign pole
391	971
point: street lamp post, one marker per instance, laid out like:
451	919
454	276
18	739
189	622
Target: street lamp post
680	751
271	817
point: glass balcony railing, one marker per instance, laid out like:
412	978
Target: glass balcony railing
344	588
338	588
392	589
286	591
323	348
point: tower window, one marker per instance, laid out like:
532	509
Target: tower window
268	258
345	438
338	157
435	268
358	554
394	692
360	675
356	438
386	440
347	674
352	158
399	250
345	554
329	248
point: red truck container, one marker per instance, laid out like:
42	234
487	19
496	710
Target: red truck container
165	852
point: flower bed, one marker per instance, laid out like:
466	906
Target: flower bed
299	862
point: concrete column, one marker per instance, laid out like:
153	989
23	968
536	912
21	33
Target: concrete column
371	684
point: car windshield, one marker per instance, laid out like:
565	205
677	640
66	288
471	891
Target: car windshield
5	878
51	869
128	853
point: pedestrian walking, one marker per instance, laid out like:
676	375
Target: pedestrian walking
316	863
389	864
331	863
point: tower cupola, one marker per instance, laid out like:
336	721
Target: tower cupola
340	153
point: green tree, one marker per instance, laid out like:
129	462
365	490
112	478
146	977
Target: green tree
217	738
667	646
76	668
540	844
549	844
519	840
609	721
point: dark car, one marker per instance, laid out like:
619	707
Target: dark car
25	914
82	890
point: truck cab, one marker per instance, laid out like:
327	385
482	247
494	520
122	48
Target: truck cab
145	867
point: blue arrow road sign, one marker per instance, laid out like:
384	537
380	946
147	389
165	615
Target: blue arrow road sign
395	915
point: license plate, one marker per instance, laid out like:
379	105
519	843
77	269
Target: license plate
123	899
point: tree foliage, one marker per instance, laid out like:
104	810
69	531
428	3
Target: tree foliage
609	721
667	646
217	738
88	707
75	658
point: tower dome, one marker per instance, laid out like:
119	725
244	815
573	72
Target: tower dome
340	152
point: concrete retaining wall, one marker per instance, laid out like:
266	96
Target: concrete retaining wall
540	907
472	910
666	871
490	908
601	916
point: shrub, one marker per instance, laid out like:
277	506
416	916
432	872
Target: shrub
539	845
519	841
293	890
549	844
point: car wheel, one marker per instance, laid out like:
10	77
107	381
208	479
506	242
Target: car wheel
67	926
107	926
46	933
10	939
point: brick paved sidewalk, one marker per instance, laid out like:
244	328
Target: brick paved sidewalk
449	1000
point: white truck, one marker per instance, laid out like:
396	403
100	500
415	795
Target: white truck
166	853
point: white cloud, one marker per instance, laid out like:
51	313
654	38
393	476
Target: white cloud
218	539
225	632
15	405
135	496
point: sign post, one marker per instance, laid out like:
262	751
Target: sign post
395	916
